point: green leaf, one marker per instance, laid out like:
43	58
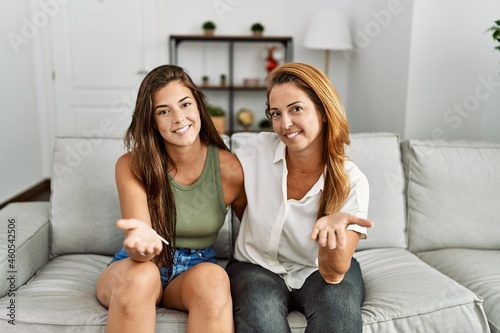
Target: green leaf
497	22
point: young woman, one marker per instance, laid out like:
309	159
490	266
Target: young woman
176	181
307	208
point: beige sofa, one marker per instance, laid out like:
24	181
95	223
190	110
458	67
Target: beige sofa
431	264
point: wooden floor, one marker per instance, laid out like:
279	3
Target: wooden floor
42	196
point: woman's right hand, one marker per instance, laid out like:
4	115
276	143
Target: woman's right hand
141	242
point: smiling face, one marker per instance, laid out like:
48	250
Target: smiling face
176	115
295	118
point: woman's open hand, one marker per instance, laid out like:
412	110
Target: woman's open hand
140	240
330	230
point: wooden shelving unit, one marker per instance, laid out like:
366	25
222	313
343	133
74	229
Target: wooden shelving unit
176	40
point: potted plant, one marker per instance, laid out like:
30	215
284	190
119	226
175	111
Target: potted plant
257	29
265	124
204	80
209	27
223	81
218	116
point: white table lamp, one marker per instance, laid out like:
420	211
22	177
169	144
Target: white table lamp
328	30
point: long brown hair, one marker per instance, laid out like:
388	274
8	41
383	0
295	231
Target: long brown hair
336	129
150	161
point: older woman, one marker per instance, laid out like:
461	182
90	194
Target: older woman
306	211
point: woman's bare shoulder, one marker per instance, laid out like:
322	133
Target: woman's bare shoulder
123	164
124	158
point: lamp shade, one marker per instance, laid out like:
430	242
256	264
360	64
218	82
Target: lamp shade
328	30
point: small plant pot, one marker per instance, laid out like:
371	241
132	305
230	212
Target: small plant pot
219	123
209	32
223	81
257	29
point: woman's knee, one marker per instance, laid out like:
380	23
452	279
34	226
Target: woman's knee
261	298
261	312
331	307
128	281
209	284
249	281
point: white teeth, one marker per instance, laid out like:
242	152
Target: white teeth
182	130
292	135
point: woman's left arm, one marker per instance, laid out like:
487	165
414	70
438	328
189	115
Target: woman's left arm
233	182
336	244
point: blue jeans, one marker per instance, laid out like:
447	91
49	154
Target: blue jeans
182	261
261	300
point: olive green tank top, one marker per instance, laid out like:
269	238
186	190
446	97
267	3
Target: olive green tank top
200	207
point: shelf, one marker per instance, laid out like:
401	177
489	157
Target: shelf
175	40
232	41
241	88
231	38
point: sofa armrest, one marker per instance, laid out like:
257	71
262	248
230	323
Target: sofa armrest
24	243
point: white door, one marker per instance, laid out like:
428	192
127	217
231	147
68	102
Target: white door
101	50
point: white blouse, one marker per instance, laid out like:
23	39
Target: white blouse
274	231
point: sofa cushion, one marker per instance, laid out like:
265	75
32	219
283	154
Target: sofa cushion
477	270
378	156
404	294
453	194
61	298
84	201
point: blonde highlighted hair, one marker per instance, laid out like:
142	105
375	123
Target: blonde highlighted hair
335	131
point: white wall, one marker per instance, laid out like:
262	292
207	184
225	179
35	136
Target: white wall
378	72
21	160
406	71
454	73
280	18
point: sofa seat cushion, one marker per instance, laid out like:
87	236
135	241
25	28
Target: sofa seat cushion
404	294
61	298
478	270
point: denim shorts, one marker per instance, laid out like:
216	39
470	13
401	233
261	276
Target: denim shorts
183	260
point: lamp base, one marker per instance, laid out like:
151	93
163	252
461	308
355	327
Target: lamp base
327	63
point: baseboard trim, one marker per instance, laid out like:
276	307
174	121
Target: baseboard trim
29	193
